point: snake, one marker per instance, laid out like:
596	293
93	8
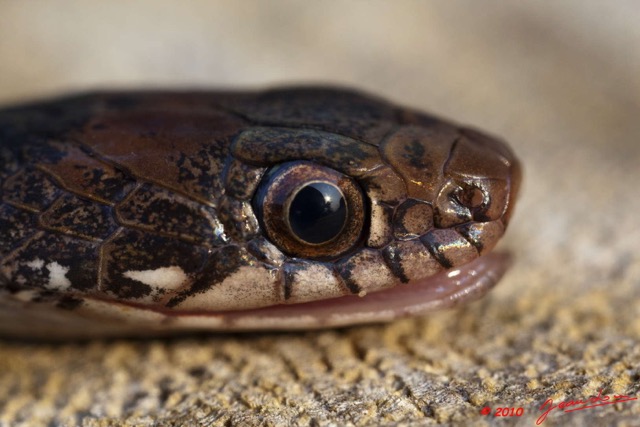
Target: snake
152	212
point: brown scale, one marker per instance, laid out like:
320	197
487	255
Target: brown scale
78	172
342	112
241	180
184	151
15	226
78	217
30	189
269	146
161	211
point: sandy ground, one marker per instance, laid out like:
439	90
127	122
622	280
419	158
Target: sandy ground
559	80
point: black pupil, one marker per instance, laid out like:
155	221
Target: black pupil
317	213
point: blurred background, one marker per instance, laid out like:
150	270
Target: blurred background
559	80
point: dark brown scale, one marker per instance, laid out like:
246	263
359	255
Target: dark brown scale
237	217
30	189
182	150
152	208
81	173
242	179
342	112
15	226
269	146
78	217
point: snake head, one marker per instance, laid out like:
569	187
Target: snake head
416	211
284	209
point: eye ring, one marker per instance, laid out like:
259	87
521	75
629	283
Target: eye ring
299	183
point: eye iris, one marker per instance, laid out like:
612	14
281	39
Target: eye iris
317	213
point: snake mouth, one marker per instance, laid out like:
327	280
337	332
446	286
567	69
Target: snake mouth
99	318
443	290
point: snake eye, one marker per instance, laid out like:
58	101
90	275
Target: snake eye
309	210
317	213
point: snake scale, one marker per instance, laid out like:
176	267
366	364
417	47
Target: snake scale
144	213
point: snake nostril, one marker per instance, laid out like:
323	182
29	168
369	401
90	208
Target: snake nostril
470	197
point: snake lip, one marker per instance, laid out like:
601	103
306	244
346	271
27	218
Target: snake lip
447	289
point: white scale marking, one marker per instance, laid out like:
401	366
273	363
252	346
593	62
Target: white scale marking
36	264
168	278
57	274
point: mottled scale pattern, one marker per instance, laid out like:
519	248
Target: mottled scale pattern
79	172
78	217
15	225
161	211
53	261
30	189
102	194
268	146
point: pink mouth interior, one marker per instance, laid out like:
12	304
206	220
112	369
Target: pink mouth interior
447	289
